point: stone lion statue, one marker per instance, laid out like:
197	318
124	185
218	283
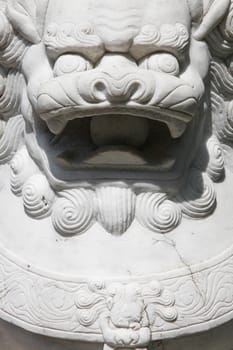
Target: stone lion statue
116	114
115	117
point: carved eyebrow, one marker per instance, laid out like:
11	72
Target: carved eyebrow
172	38
70	37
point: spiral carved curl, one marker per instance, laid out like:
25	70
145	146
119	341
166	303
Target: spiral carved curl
38	196
156	212
198	198
74	212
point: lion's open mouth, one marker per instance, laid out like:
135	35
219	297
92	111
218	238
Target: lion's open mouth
117	121
118	143
115	141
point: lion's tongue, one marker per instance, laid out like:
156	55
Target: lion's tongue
116	140
116	155
119	130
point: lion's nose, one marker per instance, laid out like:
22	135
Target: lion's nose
117	79
119	90
112	62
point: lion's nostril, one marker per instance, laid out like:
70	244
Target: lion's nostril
116	77
100	86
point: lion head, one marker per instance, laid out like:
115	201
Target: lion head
116	111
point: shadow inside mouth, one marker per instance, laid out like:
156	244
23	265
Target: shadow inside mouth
114	142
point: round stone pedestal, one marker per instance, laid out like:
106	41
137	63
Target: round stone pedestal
14	338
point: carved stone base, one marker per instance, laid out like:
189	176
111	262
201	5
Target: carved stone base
14	338
82	296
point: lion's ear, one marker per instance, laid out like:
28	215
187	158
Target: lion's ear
213	13
22	15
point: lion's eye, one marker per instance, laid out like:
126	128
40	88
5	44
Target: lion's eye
71	63
161	62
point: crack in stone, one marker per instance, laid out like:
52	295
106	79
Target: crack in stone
191	273
172	243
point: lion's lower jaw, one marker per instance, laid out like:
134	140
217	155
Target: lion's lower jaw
115	207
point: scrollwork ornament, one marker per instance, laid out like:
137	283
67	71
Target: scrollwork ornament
10	93
198	198
38	196
2	81
222	106
11	138
172	37
74	212
71	37
215	167
2	127
211	159
22	168
156	212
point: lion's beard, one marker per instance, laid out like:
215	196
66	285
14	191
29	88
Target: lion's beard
116	206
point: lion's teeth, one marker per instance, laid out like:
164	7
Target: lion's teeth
176	128
56	125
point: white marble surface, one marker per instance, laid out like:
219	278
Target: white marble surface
116	174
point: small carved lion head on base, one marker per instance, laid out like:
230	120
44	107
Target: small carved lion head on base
112	113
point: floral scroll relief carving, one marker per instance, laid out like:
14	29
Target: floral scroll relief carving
116	312
125	314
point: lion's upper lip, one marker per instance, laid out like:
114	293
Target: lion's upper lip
175	121
137	93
